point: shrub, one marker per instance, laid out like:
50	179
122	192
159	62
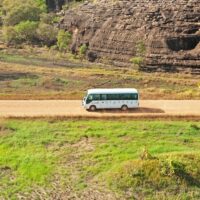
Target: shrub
63	40
140	48
20	10
22	32
82	50
47	34
10	35
48	18
42	5
20	20
26	31
137	61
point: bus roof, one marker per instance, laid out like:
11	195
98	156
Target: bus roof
111	91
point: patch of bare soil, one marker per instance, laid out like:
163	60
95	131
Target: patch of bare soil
4	130
67	193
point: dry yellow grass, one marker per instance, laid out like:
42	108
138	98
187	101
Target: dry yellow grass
43	79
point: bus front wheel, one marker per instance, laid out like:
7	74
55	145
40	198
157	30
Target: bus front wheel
124	108
92	108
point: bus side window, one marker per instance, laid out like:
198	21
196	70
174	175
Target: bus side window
96	97
125	96
103	97
134	96
113	97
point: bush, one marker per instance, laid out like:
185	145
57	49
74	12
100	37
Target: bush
20	10
10	35
63	40
82	50
26	31
20	20
47	34
137	61
42	5
22	32
48	18
140	53
140	48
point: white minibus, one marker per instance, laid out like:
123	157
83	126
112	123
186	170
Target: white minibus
119	98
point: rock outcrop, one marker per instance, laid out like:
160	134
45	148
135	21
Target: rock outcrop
169	29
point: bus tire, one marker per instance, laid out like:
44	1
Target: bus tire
92	108
124	108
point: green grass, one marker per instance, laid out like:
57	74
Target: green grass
81	154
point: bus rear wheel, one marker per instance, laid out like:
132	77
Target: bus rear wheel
124	108
92	108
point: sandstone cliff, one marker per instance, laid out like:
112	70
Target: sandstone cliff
169	29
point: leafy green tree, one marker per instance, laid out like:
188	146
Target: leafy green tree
22	10
63	40
22	13
21	19
8	5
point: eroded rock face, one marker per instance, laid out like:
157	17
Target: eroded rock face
169	29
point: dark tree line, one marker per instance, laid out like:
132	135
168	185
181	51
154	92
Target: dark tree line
57	4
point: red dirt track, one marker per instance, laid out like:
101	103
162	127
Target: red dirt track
73	108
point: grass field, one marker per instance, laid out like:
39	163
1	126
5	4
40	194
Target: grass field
39	75
52	159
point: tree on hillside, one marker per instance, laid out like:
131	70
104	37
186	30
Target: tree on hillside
21	10
27	21
64	39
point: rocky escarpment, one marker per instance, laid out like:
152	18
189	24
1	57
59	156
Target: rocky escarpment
169	29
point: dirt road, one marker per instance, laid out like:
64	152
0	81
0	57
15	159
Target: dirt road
67	108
